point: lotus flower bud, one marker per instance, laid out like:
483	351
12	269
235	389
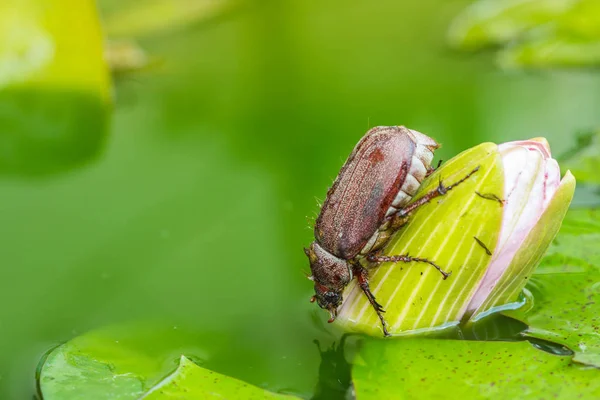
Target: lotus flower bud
491	232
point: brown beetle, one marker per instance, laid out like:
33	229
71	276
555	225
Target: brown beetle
366	204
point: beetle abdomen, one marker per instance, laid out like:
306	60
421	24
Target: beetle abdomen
384	170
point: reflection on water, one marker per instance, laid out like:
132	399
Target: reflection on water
46	131
550	347
334	371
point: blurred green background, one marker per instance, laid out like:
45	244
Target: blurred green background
193	208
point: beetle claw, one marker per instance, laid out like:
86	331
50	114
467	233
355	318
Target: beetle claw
431	170
333	315
442	190
377	306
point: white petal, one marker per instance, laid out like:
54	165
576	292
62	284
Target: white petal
531	180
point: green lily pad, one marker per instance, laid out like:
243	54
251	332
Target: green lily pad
131	362
55	91
566	289
439	369
112	363
190	381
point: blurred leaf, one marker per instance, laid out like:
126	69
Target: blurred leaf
55	89
566	289
126	362
125	56
491	22
40	47
414	295
580	22
584	159
539	33
147	17
551	51
47	130
437	369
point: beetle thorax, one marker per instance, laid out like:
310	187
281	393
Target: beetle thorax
327	269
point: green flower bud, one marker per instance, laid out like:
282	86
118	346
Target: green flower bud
491	232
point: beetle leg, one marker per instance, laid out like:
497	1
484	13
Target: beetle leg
440	191
398	222
431	170
491	196
362	276
406	258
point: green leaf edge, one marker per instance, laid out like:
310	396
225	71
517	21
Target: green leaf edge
177	385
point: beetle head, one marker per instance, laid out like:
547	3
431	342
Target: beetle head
331	275
328	300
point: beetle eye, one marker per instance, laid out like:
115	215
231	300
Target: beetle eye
333	298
